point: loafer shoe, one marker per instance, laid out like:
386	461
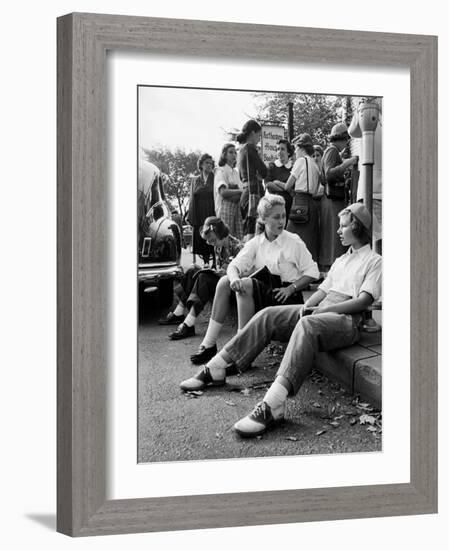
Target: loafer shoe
259	420
171	319
183	331
199	382
203	355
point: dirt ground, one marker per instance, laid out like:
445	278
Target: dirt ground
323	418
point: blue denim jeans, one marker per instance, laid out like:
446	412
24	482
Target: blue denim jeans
305	336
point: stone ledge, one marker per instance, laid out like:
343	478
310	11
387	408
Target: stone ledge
357	367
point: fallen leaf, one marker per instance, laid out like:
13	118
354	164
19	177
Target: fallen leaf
367	419
365	407
195	392
231	403
316	405
291	438
371	429
339	417
334	424
321	432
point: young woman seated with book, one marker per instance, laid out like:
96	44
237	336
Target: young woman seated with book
273	268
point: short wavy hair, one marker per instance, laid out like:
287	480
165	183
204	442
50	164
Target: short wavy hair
224	152
290	148
359	230
265	206
202	159
217	225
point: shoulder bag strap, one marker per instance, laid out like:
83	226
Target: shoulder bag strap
307	172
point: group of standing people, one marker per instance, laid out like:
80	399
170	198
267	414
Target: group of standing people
311	181
266	244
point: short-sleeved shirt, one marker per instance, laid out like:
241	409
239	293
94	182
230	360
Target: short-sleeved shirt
286	256
228	177
306	166
354	272
225	254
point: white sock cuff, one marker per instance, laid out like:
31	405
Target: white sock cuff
217	362
190	320
179	309
213	330
276	395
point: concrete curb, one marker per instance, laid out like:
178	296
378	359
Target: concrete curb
358	368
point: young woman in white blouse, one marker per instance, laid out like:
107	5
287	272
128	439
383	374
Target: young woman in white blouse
228	191
291	269
304	182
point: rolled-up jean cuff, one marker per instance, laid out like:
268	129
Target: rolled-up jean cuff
230	355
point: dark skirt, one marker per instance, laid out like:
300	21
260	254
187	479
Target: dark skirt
197	288
200	246
249	216
263	293
330	244
310	231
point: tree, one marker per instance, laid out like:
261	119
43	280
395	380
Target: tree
314	114
180	166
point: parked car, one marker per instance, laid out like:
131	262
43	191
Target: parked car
159	237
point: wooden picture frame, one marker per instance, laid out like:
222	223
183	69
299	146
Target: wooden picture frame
83	40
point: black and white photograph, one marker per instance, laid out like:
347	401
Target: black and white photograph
259	234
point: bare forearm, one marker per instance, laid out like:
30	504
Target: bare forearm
350	307
232	273
315	299
290	183
229	194
302	282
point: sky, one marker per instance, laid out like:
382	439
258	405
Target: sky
193	119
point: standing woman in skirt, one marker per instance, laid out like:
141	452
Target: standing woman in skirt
304	183
333	200
251	169
201	206
228	191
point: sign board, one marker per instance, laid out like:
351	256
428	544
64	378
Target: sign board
270	136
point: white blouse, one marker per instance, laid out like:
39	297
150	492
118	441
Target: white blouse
286	256
300	170
228	177
354	272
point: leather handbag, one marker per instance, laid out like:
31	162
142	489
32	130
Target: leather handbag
300	210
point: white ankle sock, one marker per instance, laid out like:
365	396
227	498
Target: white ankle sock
217	362
217	373
179	309
191	318
276	395
213	330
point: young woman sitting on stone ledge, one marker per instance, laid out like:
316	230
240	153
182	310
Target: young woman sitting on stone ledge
331	318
